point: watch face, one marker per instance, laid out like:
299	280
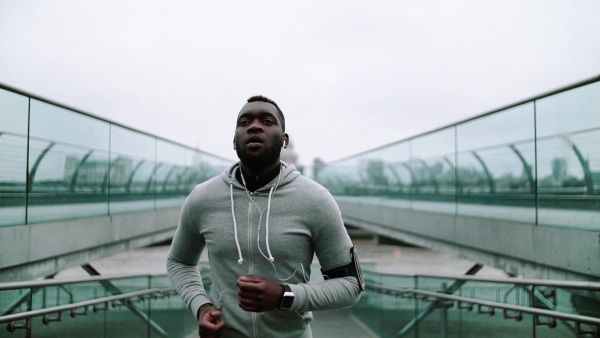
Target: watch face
287	299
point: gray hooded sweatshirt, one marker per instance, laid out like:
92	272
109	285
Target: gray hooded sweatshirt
274	232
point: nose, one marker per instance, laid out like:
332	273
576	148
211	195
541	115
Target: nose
255	127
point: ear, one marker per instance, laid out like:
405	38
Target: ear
286	140
234	144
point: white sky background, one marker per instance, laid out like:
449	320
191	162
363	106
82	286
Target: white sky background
348	75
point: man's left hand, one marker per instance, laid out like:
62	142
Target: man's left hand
257	293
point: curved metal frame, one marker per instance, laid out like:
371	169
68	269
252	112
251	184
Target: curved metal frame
164	185
130	179
36	165
436	184
413	179
149	182
585	165
488	174
76	172
526	167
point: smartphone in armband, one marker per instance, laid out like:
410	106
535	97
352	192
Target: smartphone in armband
357	271
351	269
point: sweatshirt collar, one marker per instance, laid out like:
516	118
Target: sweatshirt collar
255	183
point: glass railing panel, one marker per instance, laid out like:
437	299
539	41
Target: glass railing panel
58	164
478	322
496	292
198	169
376	172
201	167
161	281
130	284
172	316
568	129
68	182
125	320
68	160
132	170
385	314
151	317
170	313
14	301
340	179
170	176
496	165
377	310
384	172
64	126
433	167
204	166
574	301
13	157
54	295
393	280
91	325
165	316
434	322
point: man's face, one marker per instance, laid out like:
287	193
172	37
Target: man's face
259	135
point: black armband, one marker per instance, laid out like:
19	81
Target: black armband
351	269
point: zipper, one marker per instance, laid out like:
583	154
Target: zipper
250	232
251	265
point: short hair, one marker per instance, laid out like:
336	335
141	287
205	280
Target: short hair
261	98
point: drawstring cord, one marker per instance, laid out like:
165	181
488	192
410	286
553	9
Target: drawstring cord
237	242
270	257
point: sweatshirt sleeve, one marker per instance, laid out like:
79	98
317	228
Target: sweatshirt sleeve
182	261
332	246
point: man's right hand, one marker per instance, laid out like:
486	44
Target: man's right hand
210	324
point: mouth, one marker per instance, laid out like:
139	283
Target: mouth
254	141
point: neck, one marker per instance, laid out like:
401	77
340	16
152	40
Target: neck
256	173
256	178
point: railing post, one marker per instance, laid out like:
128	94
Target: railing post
443	316
29	326
531	300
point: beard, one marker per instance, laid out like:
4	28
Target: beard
259	159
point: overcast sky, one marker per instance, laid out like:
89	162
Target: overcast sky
348	75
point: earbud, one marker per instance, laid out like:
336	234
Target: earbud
284	144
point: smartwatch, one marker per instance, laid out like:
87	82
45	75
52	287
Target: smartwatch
287	299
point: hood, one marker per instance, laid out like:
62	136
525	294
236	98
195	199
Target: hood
288	174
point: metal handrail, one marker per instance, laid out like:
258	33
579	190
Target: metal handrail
579	285
54	282
60	308
491	305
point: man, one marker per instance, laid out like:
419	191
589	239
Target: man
262	222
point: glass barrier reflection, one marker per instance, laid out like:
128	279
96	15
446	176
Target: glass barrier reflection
538	162
59	164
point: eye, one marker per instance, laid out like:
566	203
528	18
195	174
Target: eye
243	122
269	122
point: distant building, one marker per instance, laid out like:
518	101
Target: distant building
93	172
289	156
88	173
